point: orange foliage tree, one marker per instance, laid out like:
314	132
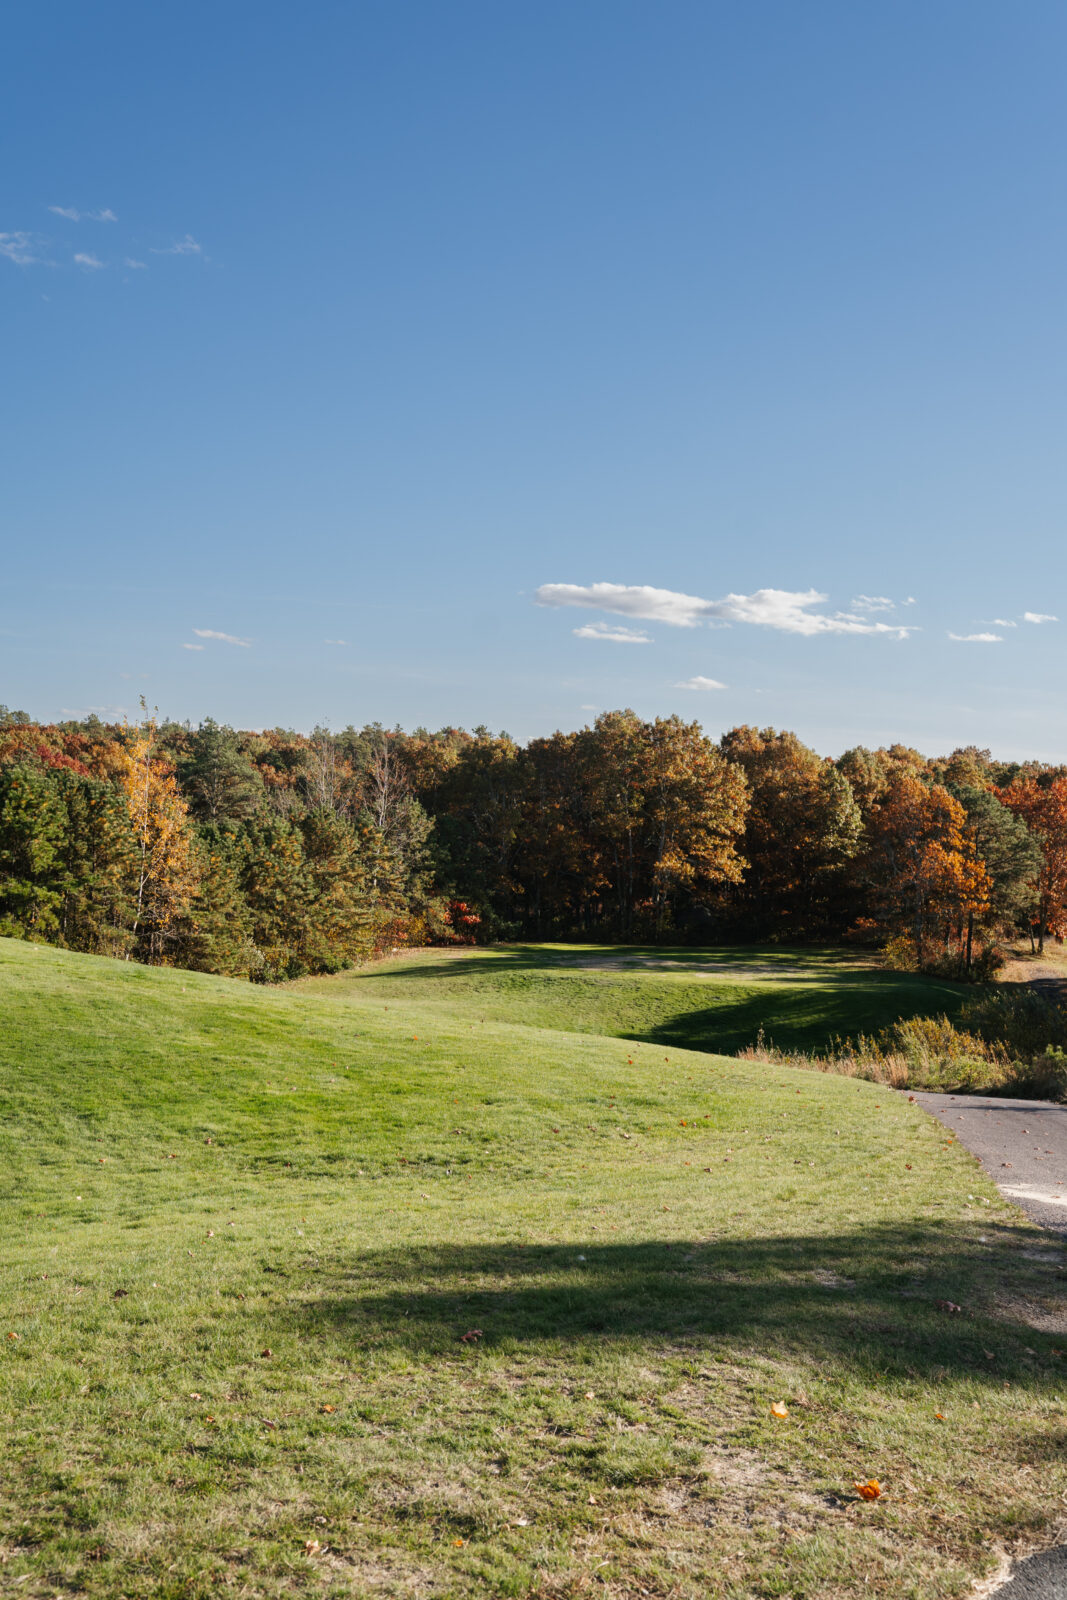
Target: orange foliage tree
923	868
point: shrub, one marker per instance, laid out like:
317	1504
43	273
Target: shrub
1011	1042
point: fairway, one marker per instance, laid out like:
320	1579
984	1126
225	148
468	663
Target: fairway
708	1000
358	1287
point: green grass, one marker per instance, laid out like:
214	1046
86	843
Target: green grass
197	1172
708	1000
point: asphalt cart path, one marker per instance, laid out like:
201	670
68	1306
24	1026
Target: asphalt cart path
1022	1144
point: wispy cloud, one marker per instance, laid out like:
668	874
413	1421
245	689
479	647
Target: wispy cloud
73	215
977	638
20	248
227	638
1004	622
1038	616
700	682
606	630
786	610
335	641
128	261
84	259
872	602
184	247
193	647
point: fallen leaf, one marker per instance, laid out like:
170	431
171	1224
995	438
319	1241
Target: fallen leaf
312	1547
470	1336
592	1501
267	1352
779	1409
327	1408
12	1335
950	1307
458	1542
871	1490
120	1294
589	1395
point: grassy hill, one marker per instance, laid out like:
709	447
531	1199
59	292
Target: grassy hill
709	1000
342	1290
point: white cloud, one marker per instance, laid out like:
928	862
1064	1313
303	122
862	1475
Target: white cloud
910	601
335	641
192	647
787	610
73	215
128	261
1003	622
588	708
700	682
872	602
1038	616
605	630
976	638
19	248
85	260
227	638
184	247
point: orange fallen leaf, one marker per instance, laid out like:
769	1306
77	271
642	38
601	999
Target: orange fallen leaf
470	1336
12	1335
871	1490
779	1409
327	1408
939	1416
458	1542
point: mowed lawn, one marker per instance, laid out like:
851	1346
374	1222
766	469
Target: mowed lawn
317	1292
708	1000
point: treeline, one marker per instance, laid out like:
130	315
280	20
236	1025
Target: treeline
273	854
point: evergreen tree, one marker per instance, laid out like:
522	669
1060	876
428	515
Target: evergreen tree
32	828
218	779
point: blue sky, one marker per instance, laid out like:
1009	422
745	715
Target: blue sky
498	363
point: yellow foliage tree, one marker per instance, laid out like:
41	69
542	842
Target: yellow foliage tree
165	875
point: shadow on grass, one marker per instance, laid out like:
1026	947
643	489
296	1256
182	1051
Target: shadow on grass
757	963
805	1020
876	1300
797	1010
